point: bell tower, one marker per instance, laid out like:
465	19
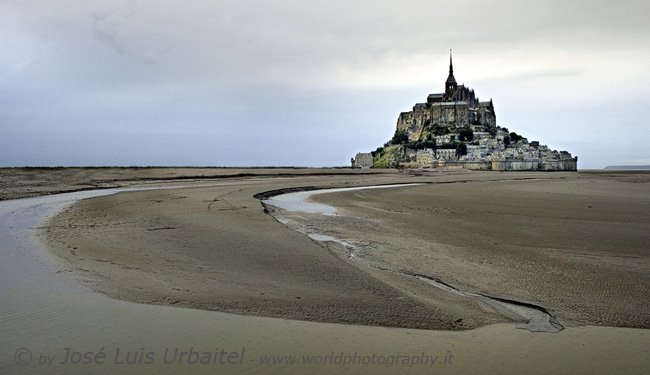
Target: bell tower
450	84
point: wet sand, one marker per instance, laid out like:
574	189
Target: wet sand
573	244
36	181
577	246
214	248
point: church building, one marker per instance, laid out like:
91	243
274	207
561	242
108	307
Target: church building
458	106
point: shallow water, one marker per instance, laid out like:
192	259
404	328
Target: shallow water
298	201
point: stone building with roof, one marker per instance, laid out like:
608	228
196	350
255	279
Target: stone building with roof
458	106
362	160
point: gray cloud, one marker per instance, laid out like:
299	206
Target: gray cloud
306	83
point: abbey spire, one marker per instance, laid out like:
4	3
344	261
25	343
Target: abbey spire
451	65
450	84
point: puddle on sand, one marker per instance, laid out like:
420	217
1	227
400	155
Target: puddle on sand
297	201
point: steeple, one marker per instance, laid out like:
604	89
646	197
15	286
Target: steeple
450	84
451	65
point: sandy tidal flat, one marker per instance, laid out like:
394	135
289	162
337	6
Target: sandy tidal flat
577	246
213	247
573	244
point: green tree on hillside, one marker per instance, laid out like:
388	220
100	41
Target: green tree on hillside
515	137
466	134
461	149
400	137
438	129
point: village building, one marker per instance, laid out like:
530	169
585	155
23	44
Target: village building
426	158
446	154
362	160
443	139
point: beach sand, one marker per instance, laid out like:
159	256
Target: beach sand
574	244
37	181
214	248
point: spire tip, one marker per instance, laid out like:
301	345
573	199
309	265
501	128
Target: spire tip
451	65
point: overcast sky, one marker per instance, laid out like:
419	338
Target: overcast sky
310	82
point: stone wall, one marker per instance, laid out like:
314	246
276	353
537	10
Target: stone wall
559	165
472	165
499	165
536	165
515	165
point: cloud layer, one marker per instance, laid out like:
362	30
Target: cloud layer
242	83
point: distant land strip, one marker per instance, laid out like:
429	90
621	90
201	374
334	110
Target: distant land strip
628	167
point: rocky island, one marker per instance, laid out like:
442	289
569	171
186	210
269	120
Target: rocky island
455	129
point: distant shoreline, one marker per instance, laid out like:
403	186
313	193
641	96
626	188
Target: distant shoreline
628	167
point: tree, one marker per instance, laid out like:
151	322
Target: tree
466	134
400	137
419	145
438	129
461	149
431	143
515	137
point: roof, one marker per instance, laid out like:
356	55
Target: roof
453	103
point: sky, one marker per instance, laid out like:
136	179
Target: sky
310	83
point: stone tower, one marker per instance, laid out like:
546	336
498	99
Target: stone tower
450	85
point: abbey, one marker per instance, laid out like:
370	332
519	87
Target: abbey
454	129
458	106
